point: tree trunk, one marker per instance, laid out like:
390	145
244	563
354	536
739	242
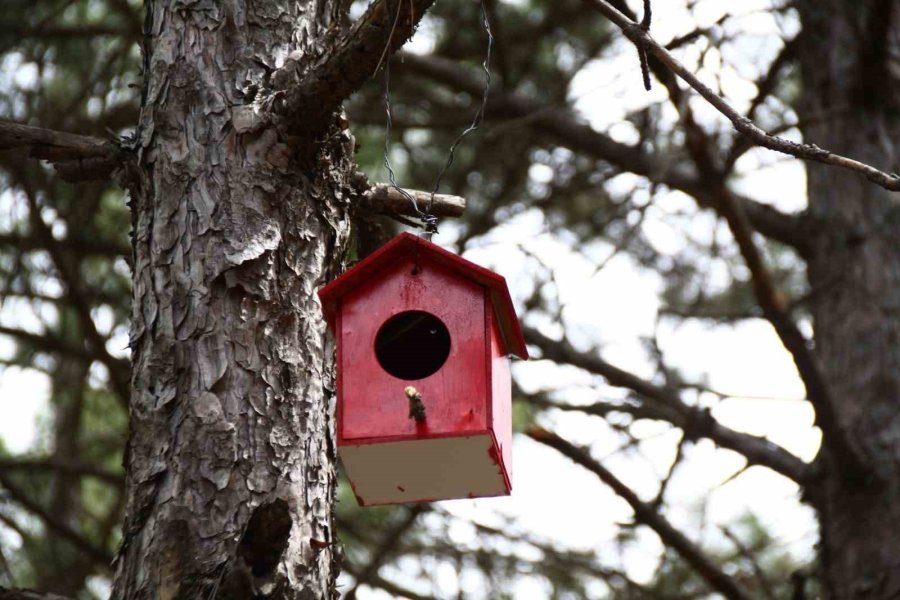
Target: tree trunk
850	99
230	460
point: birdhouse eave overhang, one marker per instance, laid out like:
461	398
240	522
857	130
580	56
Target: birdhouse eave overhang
407	244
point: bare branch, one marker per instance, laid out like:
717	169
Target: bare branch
385	198
565	129
668	407
775	308
387	545
60	528
75	157
646	514
774	305
642	39
758	571
764	88
49	144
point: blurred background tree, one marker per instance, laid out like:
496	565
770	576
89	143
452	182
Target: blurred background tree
576	173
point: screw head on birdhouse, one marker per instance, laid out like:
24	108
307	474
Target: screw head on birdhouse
424	391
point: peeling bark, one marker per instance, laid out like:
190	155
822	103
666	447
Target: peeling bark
230	460
854	265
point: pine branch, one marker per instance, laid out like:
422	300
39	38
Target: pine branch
67	267
562	127
75	157
774	306
666	406
646	514
850	458
386	546
642	39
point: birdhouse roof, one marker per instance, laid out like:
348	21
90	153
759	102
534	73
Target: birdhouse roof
405	245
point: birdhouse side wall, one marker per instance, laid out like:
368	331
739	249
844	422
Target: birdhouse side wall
501	395
372	403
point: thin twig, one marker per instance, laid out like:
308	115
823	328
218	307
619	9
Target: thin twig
98	555
384	198
851	459
641	38
563	127
76	157
387	545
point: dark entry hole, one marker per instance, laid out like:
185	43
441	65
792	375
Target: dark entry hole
266	537
412	345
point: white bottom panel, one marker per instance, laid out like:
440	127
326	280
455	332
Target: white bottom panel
423	470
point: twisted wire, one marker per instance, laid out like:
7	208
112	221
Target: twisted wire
428	219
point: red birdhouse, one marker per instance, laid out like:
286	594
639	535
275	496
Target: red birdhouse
424	394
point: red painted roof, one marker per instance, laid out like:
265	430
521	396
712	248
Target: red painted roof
404	245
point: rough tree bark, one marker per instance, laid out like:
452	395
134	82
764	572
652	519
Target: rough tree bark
849	55
230	460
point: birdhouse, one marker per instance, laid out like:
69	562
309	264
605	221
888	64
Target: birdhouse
424	393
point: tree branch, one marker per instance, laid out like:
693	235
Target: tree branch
85	30
668	407
764	88
67	267
78	245
563	127
850	458
75	157
386	546
642	39
44	342
774	306
646	514
308	95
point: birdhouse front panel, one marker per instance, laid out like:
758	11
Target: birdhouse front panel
424	392
416	325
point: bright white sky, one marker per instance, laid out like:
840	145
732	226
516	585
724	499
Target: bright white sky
552	498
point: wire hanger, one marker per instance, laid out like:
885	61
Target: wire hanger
429	220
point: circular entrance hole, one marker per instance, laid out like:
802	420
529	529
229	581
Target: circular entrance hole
412	345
